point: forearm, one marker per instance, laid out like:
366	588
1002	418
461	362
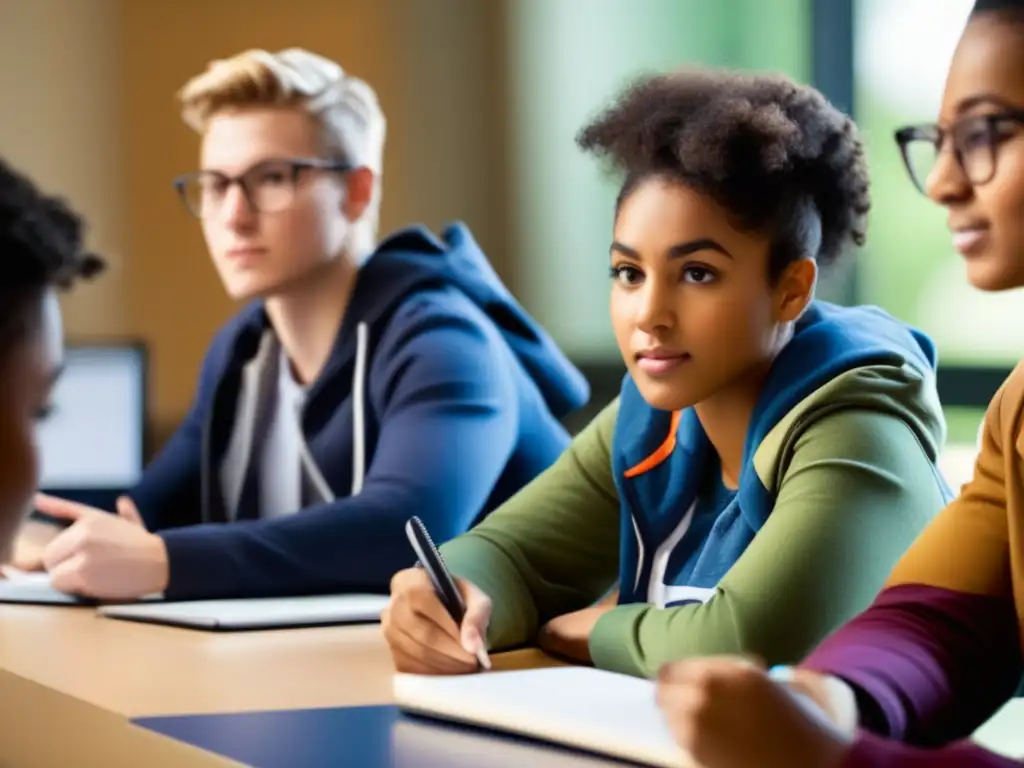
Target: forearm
553	547
537	562
638	639
356	544
929	665
503	577
873	752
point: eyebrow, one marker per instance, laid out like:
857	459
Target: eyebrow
980	100
677	251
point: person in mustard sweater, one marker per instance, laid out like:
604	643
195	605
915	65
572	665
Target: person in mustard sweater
40	252
939	650
769	456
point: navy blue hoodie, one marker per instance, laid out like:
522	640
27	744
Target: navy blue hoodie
441	398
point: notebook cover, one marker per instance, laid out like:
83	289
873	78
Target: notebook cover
257	613
368	737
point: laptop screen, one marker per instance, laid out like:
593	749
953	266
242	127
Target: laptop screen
94	439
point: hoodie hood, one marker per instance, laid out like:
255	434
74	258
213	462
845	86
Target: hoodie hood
840	358
852	357
415	259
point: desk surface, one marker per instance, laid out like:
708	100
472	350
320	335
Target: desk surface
85	736
141	670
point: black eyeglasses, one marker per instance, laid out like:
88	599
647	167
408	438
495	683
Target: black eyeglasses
268	187
975	141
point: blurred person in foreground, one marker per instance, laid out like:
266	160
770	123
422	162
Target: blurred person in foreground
41	253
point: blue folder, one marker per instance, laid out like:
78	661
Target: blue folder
366	737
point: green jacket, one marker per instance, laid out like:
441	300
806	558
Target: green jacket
853	469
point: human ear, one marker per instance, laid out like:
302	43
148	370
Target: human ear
795	289
358	193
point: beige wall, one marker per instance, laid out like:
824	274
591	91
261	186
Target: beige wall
91	114
58	66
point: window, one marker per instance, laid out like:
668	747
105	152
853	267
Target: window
901	54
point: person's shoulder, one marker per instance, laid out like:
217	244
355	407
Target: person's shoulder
443	309
436	301
600	431
1009	398
859	440
1005	415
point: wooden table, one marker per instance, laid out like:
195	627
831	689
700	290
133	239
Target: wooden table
141	670
69	666
135	670
144	669
42	727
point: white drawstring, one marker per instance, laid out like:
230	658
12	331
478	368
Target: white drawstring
358	427
359	412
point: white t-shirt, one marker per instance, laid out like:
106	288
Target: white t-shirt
279	456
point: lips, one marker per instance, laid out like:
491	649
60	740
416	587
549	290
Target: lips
658	362
245	255
969	240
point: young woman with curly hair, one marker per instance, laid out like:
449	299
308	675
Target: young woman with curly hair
769	456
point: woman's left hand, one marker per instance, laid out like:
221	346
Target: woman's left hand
727	713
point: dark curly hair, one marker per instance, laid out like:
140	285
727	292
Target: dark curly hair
40	247
775	154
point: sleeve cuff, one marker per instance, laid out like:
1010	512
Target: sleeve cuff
613	640
196	565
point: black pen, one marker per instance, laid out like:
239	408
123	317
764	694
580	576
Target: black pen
430	559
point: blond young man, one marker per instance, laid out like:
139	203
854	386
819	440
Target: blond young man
361	384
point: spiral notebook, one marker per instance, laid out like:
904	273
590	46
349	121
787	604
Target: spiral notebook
586	709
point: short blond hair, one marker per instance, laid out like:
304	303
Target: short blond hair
345	106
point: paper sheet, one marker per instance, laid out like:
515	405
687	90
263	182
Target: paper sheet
579	707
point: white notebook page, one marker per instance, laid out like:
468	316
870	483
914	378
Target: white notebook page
580	707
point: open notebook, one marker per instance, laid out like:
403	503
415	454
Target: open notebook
579	707
258	613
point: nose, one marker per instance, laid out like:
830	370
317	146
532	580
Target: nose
236	210
655	309
947	183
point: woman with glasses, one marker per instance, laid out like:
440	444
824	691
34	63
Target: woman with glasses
939	651
361	384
